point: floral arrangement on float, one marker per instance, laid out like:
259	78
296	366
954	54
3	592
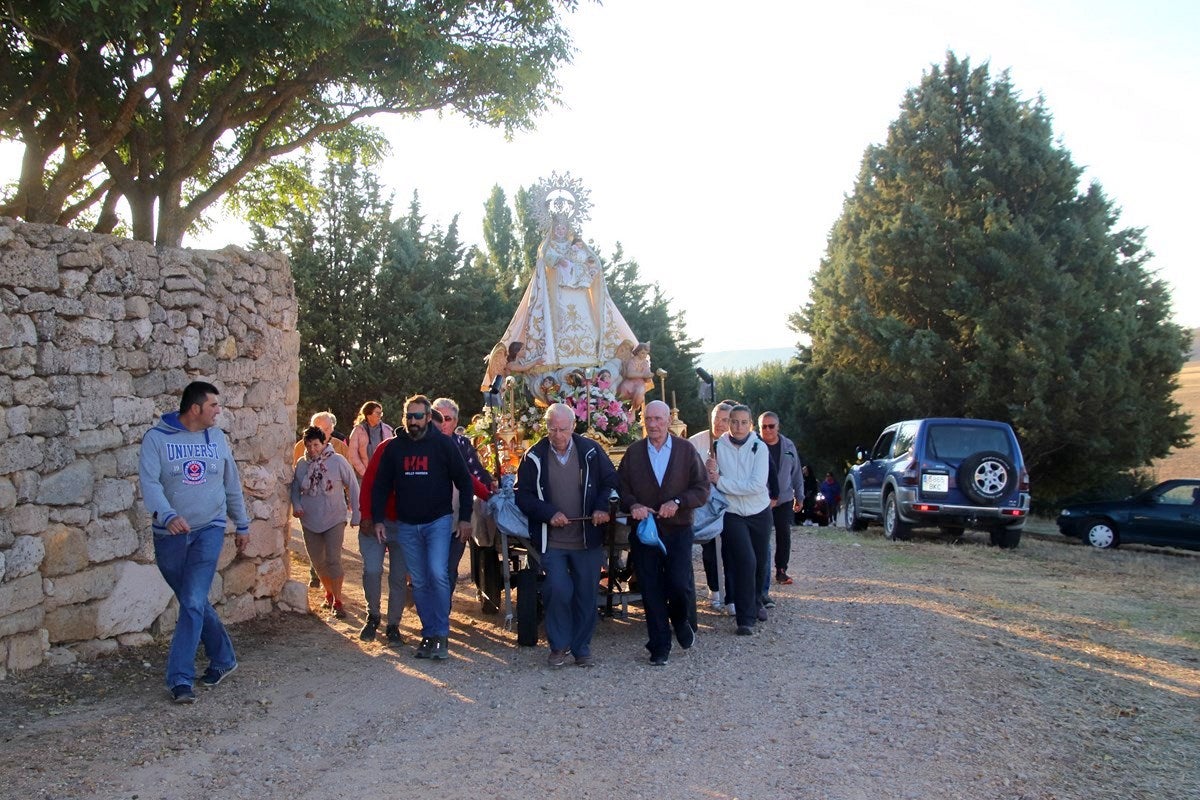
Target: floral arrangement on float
599	415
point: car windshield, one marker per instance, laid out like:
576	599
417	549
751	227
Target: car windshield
956	442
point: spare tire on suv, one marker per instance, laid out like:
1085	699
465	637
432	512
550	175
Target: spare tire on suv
986	477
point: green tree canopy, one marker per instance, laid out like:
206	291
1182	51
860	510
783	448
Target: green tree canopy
967	276
171	104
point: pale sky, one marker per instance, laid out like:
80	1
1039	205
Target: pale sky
719	140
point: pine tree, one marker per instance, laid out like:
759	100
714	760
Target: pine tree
967	276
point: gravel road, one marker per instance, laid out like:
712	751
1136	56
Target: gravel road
916	670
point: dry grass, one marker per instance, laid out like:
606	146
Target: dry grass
1185	463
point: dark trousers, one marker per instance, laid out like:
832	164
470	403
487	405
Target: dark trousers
760	540
667	583
738	554
708	555
457	546
782	515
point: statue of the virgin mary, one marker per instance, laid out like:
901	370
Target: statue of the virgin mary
566	320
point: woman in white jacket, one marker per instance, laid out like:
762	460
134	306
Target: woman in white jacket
743	465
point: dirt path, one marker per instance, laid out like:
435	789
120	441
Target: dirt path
914	670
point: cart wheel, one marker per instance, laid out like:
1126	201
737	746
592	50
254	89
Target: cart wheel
485	566
527	604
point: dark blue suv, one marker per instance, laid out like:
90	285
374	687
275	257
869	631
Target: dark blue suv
943	472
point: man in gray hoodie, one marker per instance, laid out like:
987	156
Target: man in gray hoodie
190	486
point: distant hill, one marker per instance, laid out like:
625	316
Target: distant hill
735	360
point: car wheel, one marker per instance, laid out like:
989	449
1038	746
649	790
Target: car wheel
1101	533
853	521
894	527
986	477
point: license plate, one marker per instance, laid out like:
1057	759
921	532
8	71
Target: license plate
935	483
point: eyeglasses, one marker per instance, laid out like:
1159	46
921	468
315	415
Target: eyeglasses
769	427
559	430
415	415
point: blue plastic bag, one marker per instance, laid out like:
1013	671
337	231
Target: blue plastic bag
647	533
708	519
503	508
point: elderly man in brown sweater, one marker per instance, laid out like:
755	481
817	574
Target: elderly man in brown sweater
662	475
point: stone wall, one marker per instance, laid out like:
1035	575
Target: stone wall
98	336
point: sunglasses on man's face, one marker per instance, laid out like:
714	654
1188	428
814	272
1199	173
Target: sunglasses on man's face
769	427
415	415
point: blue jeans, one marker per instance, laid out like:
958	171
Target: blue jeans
372	558
427	551
569	593
188	562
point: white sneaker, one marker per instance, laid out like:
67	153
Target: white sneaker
730	610
715	602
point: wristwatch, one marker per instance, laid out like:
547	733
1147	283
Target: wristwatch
677	501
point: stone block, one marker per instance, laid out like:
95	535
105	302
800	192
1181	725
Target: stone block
66	550
60	656
127	461
64	391
165	623
71	486
272	574
79	258
71	281
90	584
71	623
138	597
6	534
26	484
237	609
111	538
240	577
136	639
18	453
266	539
258	480
74	516
47	422
294	596
96	331
137	411
137	307
32	392
96	648
24	557
26	519
29	619
29	268
27	650
99	439
113	495
58	452
20	594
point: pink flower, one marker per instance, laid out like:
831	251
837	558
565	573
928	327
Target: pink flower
614	408
602	422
